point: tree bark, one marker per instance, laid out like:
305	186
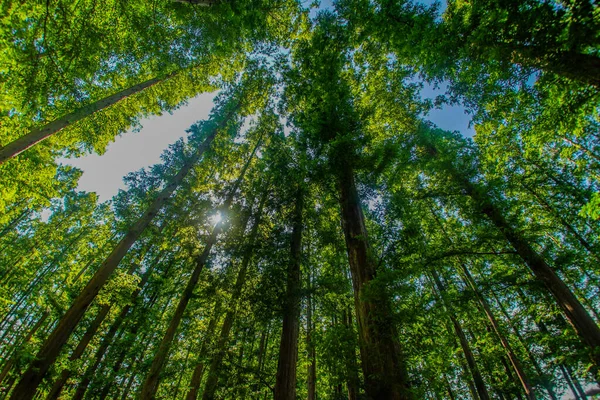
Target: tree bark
312	359
36	135
285	384
199	368
514	361
104	345
482	391
95	325
51	348
150	385
78	352
213	373
384	370
352	380
547	385
576	314
9	364
569	64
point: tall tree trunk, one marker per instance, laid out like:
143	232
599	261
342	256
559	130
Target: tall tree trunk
15	221
11	361
312	357
51	348
573	382
78	352
104	345
36	135
150	385
125	348
194	387
215	365
151	381
262	352
573	65
185	364
285	384
383	368
310	346
449	388
514	360
482	391
576	314
352	380
547	385
95	325
563	222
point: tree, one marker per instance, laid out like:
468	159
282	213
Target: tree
316	236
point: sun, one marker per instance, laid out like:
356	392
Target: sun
215	219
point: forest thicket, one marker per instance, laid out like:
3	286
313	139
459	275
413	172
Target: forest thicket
316	237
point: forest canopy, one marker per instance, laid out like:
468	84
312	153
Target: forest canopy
316	236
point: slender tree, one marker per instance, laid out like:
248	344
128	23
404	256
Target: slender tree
285	385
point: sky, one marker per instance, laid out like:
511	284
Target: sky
135	150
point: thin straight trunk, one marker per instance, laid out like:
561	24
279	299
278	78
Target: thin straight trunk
95	325
110	335
582	196
583	148
449	388
129	384
36	135
312	357
567	378
509	374
240	365
264	341
11	273
575	381
150	385
45	270
383	368
352	380
14	222
92	260
482	391
576	314
127	343
516	364
7	388
11	344
285	384
106	341
125	348
9	364
215	365
185	364
586	245
337	389
199	369
116	368
51	348
547	385
242	391
78	352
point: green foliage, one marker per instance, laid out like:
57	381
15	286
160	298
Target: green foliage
307	105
